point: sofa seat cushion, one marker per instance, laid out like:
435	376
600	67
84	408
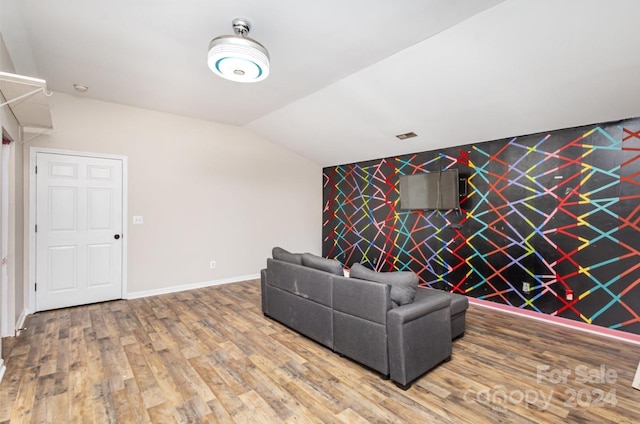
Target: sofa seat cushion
322	264
284	255
403	283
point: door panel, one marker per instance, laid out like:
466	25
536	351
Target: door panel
99	264
62	207
100	208
78	212
63	262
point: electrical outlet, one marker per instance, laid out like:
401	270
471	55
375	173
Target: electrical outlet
526	287
212	264
569	295
137	220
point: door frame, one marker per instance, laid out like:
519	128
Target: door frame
31	221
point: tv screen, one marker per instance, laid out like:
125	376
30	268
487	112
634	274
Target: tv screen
433	190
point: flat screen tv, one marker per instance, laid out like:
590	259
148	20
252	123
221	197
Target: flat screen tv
438	190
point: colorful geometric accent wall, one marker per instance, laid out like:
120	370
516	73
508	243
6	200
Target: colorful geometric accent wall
558	212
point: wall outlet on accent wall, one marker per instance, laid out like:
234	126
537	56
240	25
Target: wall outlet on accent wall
526	287
569	295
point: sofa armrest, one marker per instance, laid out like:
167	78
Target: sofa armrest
419	337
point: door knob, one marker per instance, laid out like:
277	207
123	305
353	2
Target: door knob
117	236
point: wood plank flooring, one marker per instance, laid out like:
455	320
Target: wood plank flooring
209	355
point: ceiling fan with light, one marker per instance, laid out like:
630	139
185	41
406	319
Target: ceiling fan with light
237	57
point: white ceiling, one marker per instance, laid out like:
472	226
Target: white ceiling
347	76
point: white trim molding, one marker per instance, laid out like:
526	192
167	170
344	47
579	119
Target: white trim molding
175	289
4	243
20	321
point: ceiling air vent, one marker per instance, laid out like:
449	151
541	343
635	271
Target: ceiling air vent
406	135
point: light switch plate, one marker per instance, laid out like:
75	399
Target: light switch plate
138	220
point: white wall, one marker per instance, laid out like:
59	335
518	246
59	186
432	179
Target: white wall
207	191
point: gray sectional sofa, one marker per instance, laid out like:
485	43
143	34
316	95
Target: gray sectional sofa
381	320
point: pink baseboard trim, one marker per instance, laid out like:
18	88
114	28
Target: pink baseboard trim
564	322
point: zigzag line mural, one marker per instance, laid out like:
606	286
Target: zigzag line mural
549	222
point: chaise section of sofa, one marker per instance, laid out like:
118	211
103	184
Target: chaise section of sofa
459	306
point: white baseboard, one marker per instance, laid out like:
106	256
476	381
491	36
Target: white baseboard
175	289
636	379
20	322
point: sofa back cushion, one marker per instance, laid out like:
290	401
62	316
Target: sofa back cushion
322	264
308	283
281	254
366	300
403	283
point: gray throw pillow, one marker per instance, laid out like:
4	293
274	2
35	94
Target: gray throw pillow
403	283
284	255
323	264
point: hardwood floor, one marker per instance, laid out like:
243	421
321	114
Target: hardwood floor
209	355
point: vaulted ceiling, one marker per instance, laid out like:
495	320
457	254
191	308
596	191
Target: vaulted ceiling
347	76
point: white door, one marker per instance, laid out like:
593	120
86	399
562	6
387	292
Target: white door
78	230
